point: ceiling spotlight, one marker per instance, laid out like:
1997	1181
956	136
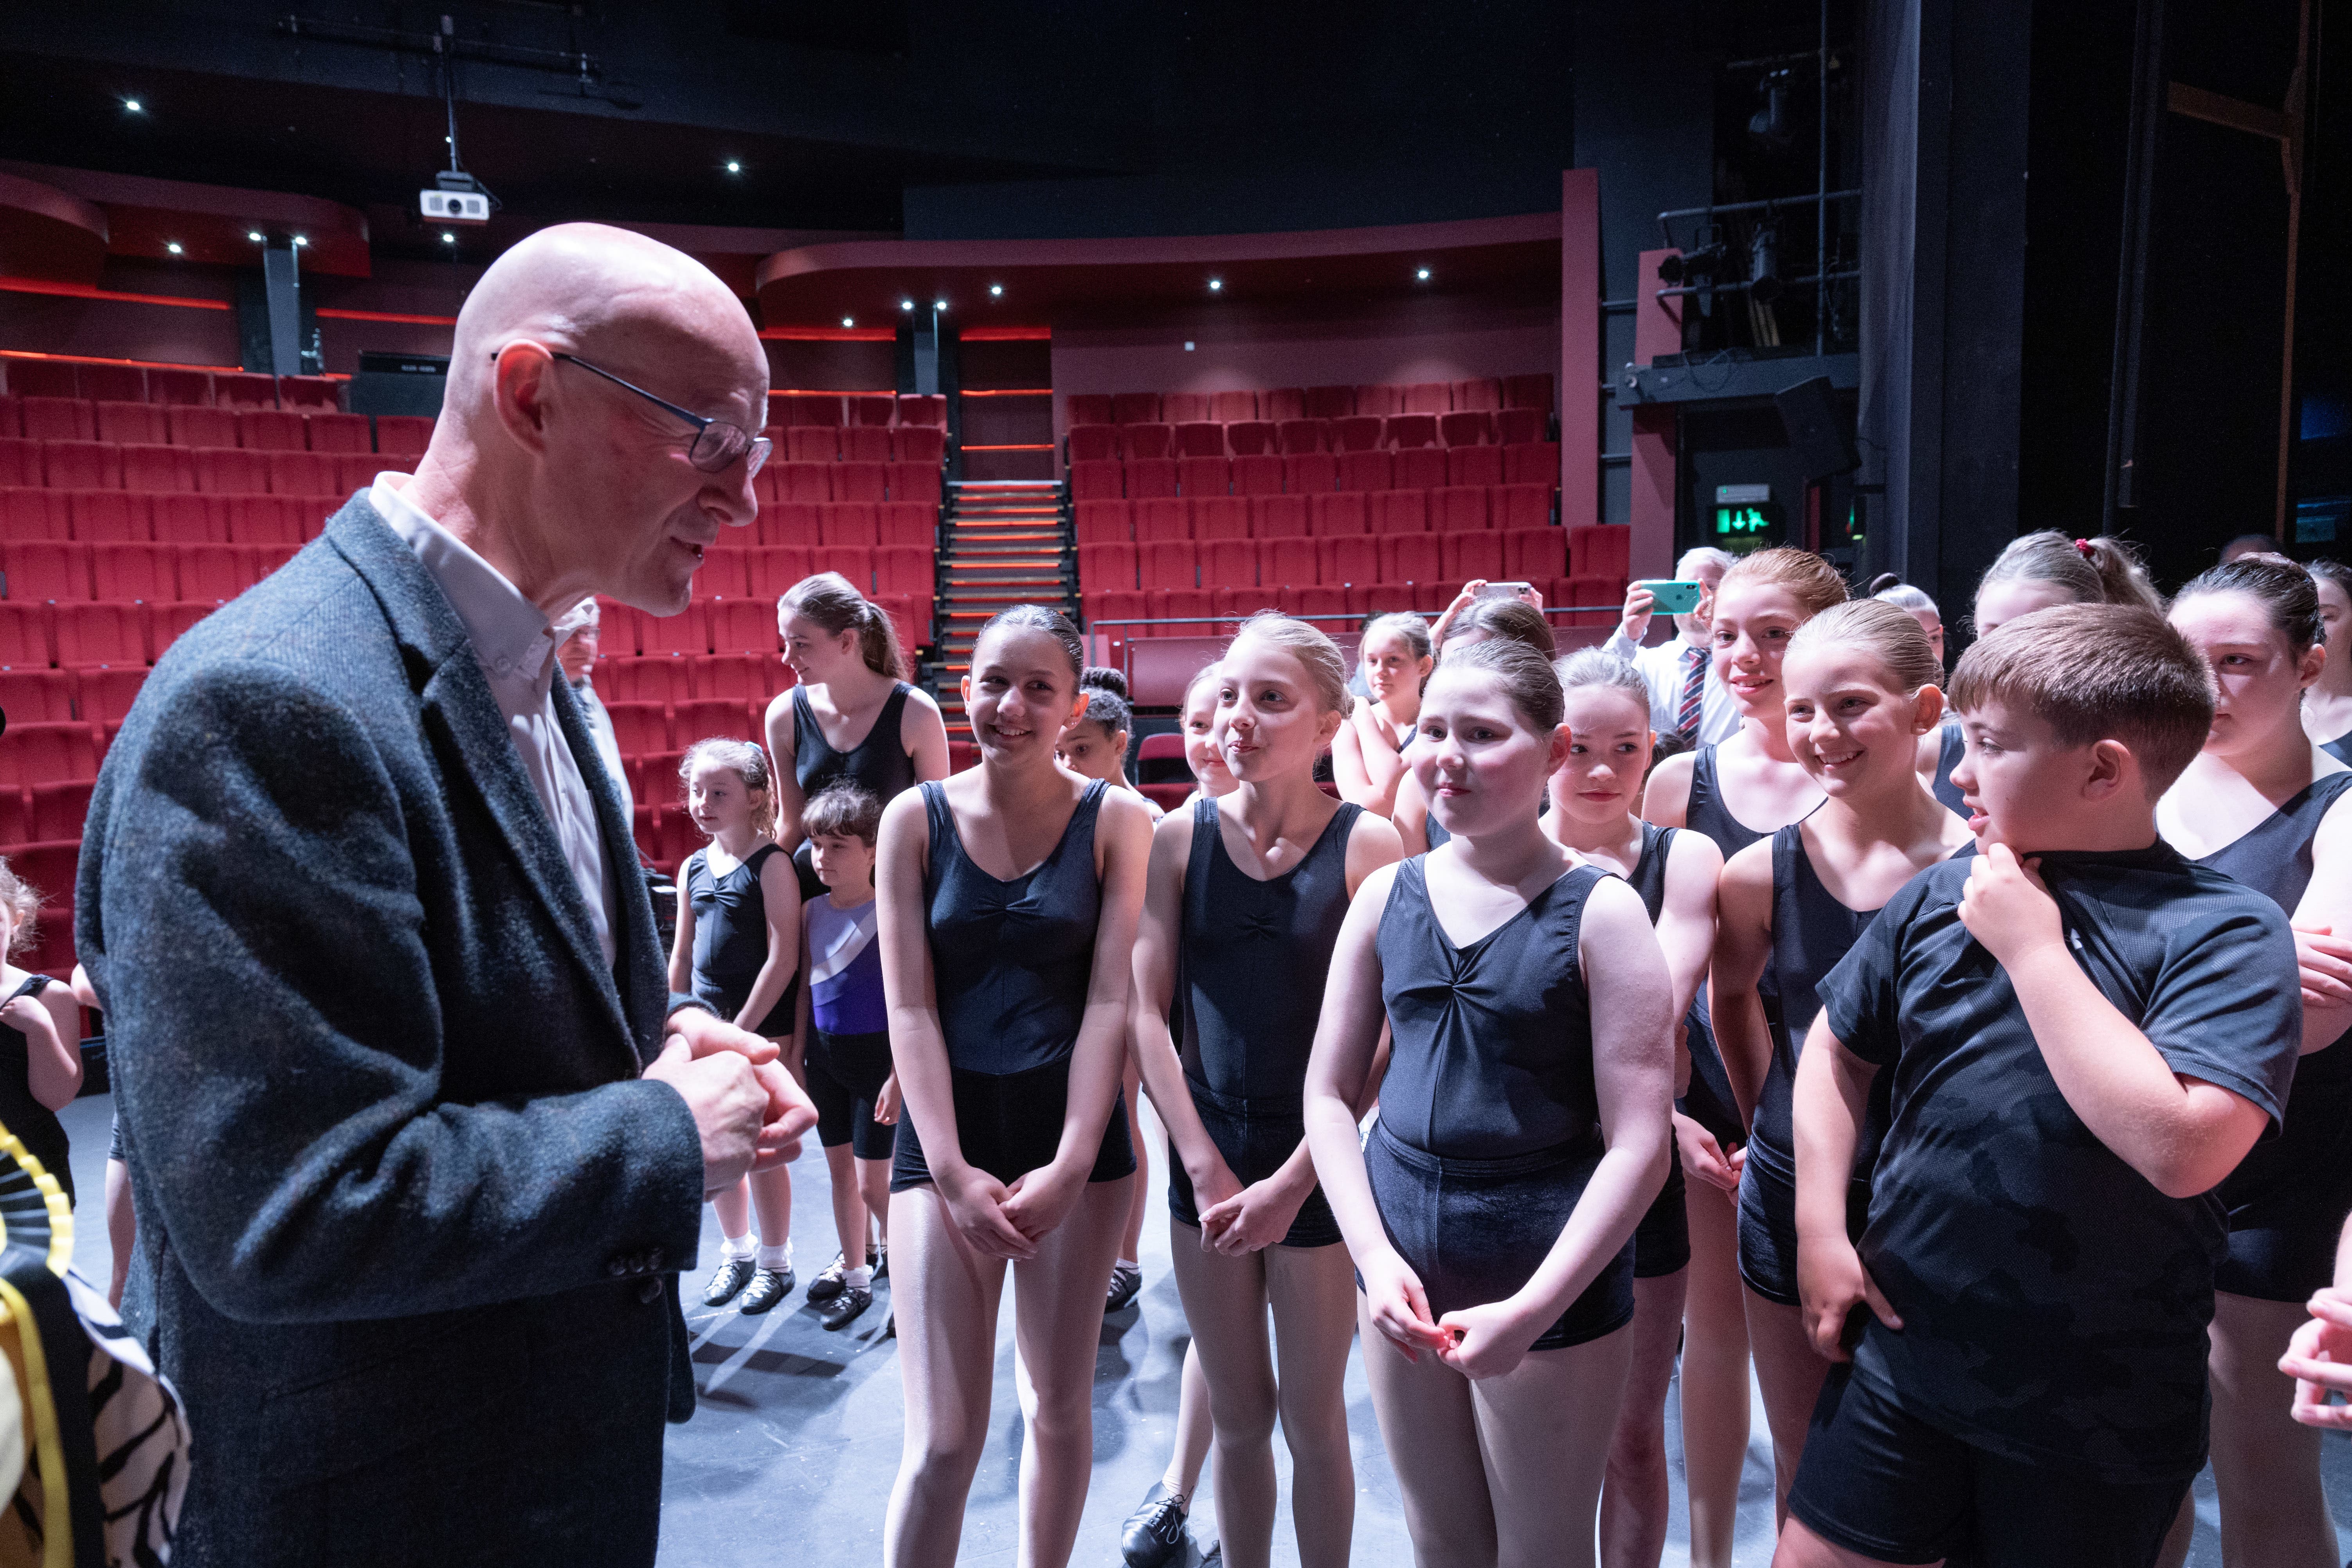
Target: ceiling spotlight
906	304
938	304
733	167
171	246
996	291
254	235
1422	274
299	239
133	106
1216	284
447	237
848	321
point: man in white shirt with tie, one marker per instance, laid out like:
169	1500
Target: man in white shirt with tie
581	631
1685	697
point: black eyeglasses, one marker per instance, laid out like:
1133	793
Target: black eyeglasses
716	443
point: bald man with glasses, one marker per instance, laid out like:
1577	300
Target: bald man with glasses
419	1137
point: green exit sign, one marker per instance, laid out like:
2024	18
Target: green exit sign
1740	521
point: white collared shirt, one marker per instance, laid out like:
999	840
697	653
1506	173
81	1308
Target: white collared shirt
516	648
1664	668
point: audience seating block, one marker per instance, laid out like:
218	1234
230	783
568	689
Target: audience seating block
142	424
1162	519
56	419
1249	437
103	517
1474	466
1521	506
1103	523
1102	481
402	434
1153	440
44	570
1366	471
47	754
1400	511
1151	476
1200	438
1404	430
1457	509
1426	398
1086	409
744	626
1258	476
1232	407
1348	559
1135	408
1310	473
38	696
1093	443
1341	513
1221	517
1279	516
81	465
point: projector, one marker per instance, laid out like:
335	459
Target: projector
457	197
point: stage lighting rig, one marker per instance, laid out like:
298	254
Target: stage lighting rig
1706	261
457	196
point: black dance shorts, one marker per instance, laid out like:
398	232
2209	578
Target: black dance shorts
2286	1200
846	1075
1256	1136
1768	1225
1662	1241
1878	1481
1009	1125
1475	1231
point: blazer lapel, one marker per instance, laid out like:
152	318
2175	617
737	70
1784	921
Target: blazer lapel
468	727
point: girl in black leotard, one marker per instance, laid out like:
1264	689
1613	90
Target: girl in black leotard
1522	1131
40	1039
852	716
1859	686
2268	808
1593	800
1008	901
738	951
2327	701
1735	794
1243	904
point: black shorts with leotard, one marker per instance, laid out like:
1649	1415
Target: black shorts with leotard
846	1075
1490	1123
879	764
1252	957
2287	1199
1010	965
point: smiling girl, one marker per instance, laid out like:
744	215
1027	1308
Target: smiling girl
1522	1131
1368	756
2264	804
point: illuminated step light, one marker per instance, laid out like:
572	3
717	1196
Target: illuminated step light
254	235
849	322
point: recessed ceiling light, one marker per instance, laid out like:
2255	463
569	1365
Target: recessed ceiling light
134	105
173	245
447	237
1422	274
938	304
848	321
996	291
906	304
254	235
1216	284
299	239
733	167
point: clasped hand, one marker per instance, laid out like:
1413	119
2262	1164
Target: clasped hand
1003	1221
748	1112
1238	1220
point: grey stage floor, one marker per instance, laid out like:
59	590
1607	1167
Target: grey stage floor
792	1454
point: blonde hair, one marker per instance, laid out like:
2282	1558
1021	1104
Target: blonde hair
1594	667
1512	618
23	904
1325	667
1888	632
748	762
1814	582
1403	624
830	601
2102	571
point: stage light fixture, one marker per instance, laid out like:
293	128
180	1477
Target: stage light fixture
448	238
996	291
938	304
173	245
848	321
1704	262
1769	125
254	235
1764	281
300	240
733	167
1422	274
1216	285
906	304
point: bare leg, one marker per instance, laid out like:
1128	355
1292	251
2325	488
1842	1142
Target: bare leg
1800	1548
1790	1372
1224	1302
1132	1240
1633	1501
771	1196
873	1186
1544	1429
1057	1326
1714	1374
2265	1464
2182	1535
122	1227
849	1205
1193	1428
1313	1291
1431	1429
733	1208
946	1301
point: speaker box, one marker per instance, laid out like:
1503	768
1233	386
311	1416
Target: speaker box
1817	429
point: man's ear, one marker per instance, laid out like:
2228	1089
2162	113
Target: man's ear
520	389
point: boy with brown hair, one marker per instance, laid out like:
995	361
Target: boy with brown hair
2087	1032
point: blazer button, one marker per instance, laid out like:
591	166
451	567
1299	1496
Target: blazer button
654	1260
617	1267
649	1293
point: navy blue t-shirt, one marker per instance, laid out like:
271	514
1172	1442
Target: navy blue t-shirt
2054	1301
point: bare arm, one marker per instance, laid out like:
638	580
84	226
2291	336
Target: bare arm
1157	937
790	801
1665	800
780	902
1831	1091
2323	931
52	1029
1410	815
1687	924
681	946
1743	946
925	735
1373	768
1633	1066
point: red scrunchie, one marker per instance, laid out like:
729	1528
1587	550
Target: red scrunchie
2084	546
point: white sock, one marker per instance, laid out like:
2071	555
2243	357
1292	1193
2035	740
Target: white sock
858	1278
736	1247
776	1258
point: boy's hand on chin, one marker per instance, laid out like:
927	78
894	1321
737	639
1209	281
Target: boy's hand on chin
2008	907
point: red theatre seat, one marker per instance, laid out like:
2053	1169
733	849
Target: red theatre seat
687	632
1087	408
108	634
117	383
24	636
807	407
222	471
1535	554
145	573
1474	466
1428	397
172	621
1279	517
1327	402
1365	471
60	809
340	433
1104	523
1168	565
1400	511
741	677
1421	469
1483	395
1248	438
153	469
812	444
1531	463
402	434
267	519
1468	556
917	445
1200	438
705	717
1098	481
1183	407
243	390
775	569
1285	562
1258	476
81	465
1153	440
861	481
744	626
32	511
1460	430
1345	561
1358	433
907	522
308	393
190	520
876	409
218	572
106	695
928	410
1283	403
1221	517
848	523
44	570
45	753
20	461
914	482
723	573
1151	476
301	473
1527	392
1457	509
1514	426
806	482
129	423
1107	566
1204	476
1403	430
865	444
902	569
1135	408
41	378
109	517
1310	473
1411	558
792	523
1232	407
1326	605
38	696
1341	513
1094	443
201	427
58	419
640	728
1379	399
179	387
1601	551
1229	563
1292	436
1162	519
270	430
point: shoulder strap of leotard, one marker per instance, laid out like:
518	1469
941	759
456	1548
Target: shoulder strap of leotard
34	984
759	857
805	727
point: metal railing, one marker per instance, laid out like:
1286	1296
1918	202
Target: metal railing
1127	642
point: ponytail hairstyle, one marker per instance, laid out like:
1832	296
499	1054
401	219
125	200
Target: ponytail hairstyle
2102	571
24	905
1325	667
1812	580
1888	632
748	762
1592	667
828	599
2335	571
1903	595
1525	675
2287	591
1107	705
1512	618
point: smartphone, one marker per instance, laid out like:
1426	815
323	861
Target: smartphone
1507	590
1670	597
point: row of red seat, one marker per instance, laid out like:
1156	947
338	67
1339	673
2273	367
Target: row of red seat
769	571
751	677
859	444
183	385
129	517
48	869
1313	473
1125	612
98	695
1312	517
37	635
195	424
1357	432
840	522
50	813
818	482
1518	555
881	409
171	470
1479	393
745	625
44	570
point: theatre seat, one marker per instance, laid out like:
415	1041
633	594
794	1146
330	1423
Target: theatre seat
1248	438
1135	408
1151	476
1221	517
1340	514
56	419
1258	476
270	430
1400	511
130	423
36	511
1232	407
402	434
1474	466
107	517
1279	517
1421	469
156	469
38	696
1093	443
46	570
1515	425
1310	473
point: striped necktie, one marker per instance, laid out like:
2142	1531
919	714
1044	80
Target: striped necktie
1693	687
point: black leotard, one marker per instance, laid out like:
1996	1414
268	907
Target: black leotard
1010	964
1249	991
1489	1123
730	938
880	763
1709	1101
34	1124
1707	813
2287	1198
1662	1241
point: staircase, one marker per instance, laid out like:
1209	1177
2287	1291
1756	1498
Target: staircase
1005	541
